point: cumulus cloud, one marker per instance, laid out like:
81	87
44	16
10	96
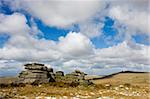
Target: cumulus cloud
75	44
64	14
25	47
76	49
91	29
135	14
64	55
60	13
15	23
133	19
124	54
21	43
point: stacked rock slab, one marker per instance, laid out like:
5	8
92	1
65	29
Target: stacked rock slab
36	73
76	76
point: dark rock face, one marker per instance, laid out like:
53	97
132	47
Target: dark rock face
38	73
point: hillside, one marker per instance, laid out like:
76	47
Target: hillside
124	77
7	79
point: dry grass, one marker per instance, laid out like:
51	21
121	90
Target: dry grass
131	78
7	79
80	92
126	86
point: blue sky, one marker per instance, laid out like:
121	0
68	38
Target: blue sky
53	33
87	34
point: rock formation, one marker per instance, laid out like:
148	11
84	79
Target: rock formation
36	72
76	76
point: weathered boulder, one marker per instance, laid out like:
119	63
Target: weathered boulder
74	77
35	72
77	73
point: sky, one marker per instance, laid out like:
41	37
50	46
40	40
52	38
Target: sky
98	37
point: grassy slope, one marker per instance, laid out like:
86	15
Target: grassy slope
7	79
121	78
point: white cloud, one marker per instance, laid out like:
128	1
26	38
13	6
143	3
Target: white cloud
10	67
15	23
70	53
91	29
64	14
60	13
133	13
75	44
124	54
133	19
22	45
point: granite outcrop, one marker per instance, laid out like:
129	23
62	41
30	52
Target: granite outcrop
36	72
